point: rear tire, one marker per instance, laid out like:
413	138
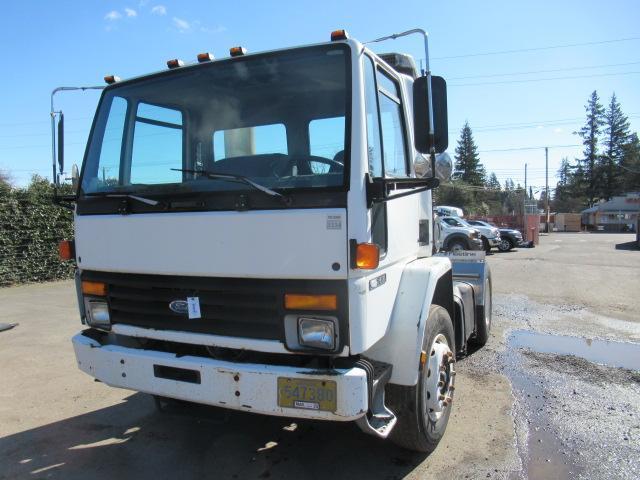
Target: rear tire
420	427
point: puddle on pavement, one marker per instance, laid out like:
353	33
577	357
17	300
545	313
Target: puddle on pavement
604	352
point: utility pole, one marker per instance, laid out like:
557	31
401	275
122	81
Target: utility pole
524	204
546	187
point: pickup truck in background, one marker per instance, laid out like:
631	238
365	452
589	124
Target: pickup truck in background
489	235
454	236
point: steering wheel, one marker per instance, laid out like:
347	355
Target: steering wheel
302	159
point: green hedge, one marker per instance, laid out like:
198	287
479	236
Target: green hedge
31	227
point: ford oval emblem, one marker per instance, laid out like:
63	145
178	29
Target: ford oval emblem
179	306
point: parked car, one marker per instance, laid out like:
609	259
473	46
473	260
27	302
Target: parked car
509	237
454	234
489	234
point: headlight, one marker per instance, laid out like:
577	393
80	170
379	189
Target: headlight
97	312
474	234
313	332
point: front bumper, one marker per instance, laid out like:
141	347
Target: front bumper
239	386
494	242
476	244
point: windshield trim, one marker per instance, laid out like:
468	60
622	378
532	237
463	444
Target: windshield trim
349	87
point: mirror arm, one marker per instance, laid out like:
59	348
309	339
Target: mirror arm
379	189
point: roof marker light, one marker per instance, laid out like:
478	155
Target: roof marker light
111	79
237	51
175	63
339	35
205	57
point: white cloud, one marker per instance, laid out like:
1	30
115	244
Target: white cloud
130	12
113	15
558	130
181	25
159	10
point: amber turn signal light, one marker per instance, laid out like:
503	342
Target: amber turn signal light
367	256
66	250
237	51
94	288
339	35
294	301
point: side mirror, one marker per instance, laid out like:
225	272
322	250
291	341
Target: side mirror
75	177
444	167
421	106
60	145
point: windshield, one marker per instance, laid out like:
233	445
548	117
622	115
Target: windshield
278	119
455	222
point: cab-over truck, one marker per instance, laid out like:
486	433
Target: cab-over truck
256	233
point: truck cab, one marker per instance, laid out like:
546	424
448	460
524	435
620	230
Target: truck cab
251	233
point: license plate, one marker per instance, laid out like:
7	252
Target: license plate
307	394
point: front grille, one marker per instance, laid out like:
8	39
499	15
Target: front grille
236	307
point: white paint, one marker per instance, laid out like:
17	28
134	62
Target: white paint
257	384
257	244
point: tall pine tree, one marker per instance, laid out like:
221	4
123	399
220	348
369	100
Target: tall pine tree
589	134
630	164
468	167
493	183
616	136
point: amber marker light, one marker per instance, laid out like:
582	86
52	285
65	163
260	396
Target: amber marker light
111	79
205	57
339	35
367	256
175	63
98	289
237	51
294	301
66	250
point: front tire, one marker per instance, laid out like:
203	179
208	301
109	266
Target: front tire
457	246
505	245
423	410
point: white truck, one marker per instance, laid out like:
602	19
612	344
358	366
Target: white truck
250	233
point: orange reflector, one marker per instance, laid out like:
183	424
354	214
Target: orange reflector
293	301
94	288
339	35
205	57
367	256
110	79
237	51
175	63
66	250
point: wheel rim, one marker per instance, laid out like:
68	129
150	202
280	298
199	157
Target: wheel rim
457	248
438	387
504	244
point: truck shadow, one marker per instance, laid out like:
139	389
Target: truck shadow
133	440
633	245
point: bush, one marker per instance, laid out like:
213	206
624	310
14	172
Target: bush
31	226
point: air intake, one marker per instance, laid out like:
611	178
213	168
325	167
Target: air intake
401	62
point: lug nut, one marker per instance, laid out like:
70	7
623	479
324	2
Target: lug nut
441	383
441	398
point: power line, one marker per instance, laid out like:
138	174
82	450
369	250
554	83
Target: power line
528	148
544	71
535	49
505	82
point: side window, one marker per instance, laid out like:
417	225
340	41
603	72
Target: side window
240	142
391	118
157	145
326	139
109	164
374	153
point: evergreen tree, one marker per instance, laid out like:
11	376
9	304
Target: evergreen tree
493	183
589	134
616	136
467	166
630	164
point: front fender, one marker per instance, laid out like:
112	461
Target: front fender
402	343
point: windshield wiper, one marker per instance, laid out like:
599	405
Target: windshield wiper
236	178
147	201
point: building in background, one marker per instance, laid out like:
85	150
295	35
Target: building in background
620	214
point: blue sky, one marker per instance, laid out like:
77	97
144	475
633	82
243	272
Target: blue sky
48	44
